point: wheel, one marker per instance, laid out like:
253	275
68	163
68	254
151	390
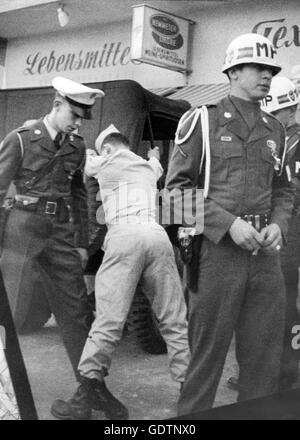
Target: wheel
144	325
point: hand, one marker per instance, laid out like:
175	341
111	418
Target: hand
154	153
90	152
245	235
83	256
272	239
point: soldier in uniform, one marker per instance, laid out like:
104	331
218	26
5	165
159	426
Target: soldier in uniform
249	201
282	102
46	230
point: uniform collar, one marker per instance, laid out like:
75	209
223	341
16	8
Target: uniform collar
230	117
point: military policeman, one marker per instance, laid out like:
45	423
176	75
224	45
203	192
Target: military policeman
246	211
282	102
46	230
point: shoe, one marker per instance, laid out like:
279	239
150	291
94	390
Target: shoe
91	394
77	408
233	383
100	398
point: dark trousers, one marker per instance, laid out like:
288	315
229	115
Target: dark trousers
39	247
290	261
236	292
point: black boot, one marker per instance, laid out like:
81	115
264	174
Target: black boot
77	408
90	394
100	398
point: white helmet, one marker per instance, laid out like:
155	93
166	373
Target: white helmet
282	94
251	49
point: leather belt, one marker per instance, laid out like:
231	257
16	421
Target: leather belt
53	208
258	221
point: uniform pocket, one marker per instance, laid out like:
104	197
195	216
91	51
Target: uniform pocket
226	163
62	175
266	168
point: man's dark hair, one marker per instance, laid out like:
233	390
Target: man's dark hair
116	139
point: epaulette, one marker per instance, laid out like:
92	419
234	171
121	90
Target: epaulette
272	117
23	128
187	124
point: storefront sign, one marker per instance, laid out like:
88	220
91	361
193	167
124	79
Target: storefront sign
110	54
160	38
85	55
279	32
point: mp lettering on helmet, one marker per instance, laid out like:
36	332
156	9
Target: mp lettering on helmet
282	94
267	100
265	50
251	49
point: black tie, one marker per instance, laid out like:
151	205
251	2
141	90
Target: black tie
57	140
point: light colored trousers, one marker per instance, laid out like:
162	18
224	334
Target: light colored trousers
133	253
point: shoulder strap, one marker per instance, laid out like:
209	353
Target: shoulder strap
206	157
21	144
208	122
193	116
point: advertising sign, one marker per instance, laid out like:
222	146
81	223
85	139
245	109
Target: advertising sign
160	38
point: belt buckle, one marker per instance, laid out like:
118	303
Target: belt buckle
51	208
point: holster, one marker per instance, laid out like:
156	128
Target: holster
192	267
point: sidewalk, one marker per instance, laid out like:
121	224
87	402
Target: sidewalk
141	381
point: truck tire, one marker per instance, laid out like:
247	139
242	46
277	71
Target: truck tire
143	324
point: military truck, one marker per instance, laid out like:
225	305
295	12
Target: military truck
146	119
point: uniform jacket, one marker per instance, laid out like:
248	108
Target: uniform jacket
63	179
293	157
243	179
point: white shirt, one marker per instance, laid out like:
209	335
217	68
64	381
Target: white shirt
127	186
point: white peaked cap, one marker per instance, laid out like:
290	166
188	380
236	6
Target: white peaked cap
102	135
80	97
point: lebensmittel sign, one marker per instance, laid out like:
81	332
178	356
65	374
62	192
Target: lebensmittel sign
160	38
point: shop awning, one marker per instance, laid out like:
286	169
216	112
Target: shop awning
196	95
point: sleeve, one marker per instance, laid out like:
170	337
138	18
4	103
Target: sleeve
97	229
183	174
79	196
283	194
10	161
156	166
93	164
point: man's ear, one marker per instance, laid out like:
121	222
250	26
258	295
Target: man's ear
105	149
56	103
232	73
